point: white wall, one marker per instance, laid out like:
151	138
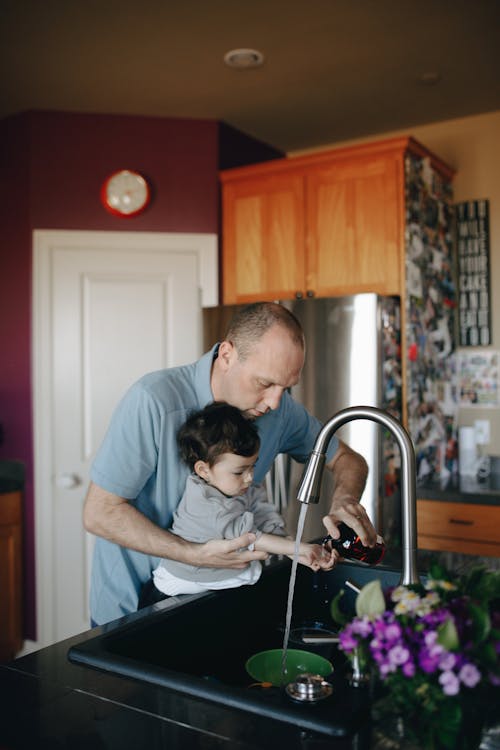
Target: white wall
471	145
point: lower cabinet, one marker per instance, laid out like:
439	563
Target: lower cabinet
459	527
10	574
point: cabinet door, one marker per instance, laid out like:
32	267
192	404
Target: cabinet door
468	528
355	220
263	230
11	587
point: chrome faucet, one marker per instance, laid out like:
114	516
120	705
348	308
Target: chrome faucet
308	491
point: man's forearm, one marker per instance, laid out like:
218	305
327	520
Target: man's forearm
115	519
350	472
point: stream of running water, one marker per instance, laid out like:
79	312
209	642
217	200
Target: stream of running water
291	588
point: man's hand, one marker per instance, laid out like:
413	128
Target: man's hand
353	514
225	553
350	471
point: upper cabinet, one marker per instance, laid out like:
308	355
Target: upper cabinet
354	228
324	224
263	236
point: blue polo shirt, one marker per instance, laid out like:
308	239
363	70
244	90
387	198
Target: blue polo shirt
139	460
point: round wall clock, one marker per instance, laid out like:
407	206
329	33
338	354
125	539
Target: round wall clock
125	193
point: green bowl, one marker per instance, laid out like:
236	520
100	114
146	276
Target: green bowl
266	665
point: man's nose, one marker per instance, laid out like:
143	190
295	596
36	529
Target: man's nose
273	396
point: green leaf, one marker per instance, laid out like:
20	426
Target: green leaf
448	636
436	570
370	600
448	724
337	615
488	655
481	622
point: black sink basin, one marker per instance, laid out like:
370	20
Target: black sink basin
199	645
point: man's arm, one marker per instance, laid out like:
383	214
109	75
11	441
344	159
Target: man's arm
350	471
114	518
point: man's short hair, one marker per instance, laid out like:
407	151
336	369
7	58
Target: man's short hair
251	322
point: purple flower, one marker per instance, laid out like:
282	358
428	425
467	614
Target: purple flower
449	682
398	655
385	669
430	638
393	631
433	646
428	661
347	642
409	669
447	661
362	627
469	675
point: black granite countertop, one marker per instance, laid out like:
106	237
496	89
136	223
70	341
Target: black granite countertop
47	702
50	702
462	490
10	485
12	475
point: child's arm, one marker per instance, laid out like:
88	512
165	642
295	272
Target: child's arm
313	555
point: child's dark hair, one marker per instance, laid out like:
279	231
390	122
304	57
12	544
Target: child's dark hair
218	428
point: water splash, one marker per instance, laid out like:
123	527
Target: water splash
291	587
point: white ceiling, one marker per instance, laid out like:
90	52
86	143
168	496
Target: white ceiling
334	69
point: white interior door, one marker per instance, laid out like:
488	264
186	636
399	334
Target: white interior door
109	307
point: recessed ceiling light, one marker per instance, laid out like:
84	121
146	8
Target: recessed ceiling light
243	58
430	78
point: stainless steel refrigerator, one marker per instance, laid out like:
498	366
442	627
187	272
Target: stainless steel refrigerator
352	359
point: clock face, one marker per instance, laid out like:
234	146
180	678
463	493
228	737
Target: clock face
125	193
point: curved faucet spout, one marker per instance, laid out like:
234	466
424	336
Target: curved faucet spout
311	481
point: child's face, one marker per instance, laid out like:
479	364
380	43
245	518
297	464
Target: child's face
231	474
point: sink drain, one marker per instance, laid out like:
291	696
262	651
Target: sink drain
309	688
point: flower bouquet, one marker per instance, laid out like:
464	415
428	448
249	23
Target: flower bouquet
434	648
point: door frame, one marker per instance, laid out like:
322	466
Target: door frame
45	241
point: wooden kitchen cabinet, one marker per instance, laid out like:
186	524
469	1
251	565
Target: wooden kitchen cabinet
459	527
324	224
263	235
10	574
354	222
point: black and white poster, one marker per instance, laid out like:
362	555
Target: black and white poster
473	246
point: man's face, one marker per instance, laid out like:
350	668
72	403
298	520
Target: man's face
256	384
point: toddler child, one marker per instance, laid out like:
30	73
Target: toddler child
221	446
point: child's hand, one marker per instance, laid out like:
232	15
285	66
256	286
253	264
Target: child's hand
317	557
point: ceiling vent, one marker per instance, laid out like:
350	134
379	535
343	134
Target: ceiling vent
243	58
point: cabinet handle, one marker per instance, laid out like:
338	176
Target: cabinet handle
461	521
310	293
298	295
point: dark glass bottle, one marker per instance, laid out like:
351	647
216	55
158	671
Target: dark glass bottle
350	546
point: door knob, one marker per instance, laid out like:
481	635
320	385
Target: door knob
67	481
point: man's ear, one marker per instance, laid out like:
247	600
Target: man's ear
202	469
226	354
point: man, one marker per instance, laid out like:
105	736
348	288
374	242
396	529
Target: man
137	478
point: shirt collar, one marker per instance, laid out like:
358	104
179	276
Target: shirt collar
203	370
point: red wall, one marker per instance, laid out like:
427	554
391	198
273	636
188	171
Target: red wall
52	167
71	155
